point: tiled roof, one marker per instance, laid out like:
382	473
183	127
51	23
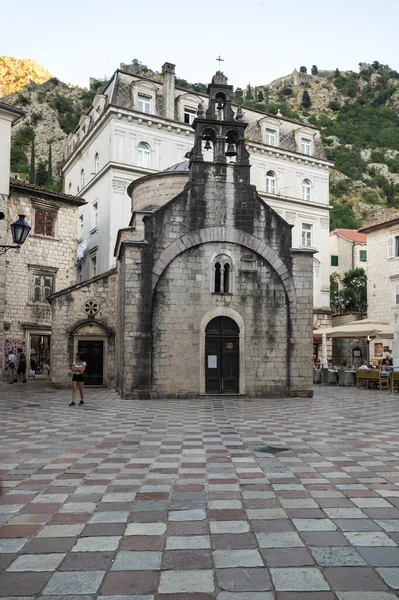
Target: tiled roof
381	223
352	235
11	108
31	187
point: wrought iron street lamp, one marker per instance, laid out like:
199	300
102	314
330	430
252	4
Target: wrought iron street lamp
20	231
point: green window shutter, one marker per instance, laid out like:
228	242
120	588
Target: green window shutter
334	261
363	255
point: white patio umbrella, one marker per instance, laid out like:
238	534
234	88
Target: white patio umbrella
358	329
395	353
324	361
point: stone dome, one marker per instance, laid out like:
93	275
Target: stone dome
181	166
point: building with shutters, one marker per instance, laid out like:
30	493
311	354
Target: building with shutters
139	126
44	264
211	293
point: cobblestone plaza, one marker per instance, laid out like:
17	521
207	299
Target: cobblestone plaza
172	500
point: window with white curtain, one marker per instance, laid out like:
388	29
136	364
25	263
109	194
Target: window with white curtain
143	155
306	189
144	103
270	137
270	182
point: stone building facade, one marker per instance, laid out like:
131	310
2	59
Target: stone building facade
45	263
139	126
206	277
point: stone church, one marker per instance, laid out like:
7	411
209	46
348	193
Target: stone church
208	296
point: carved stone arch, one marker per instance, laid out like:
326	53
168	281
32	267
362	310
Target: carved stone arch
222	311
93	324
233	236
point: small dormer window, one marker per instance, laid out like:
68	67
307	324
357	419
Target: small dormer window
306	145
144	103
189	115
270	137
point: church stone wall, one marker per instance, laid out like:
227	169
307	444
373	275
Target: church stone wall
184	296
154	191
70	321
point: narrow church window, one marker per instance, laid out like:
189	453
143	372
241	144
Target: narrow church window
96	163
143	155
226	279
270	182
82	179
218	277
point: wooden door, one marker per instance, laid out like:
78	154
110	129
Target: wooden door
93	355
222	356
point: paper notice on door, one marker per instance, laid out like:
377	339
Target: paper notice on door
212	361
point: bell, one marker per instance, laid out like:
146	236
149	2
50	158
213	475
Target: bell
207	145
220	104
231	151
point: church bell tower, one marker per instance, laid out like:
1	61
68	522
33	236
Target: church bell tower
220	129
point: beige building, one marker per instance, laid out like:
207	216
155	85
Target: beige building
45	264
208	276
348	250
383	276
8	115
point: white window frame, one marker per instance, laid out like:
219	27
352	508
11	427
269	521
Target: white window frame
80	227
143	155
271	182
306	146
270	136
144	103
307	235
191	112
95	214
42	275
306	188
93	264
393	246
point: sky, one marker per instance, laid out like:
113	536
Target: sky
259	40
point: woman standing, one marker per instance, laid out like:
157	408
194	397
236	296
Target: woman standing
78	368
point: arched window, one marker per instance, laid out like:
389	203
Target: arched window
306	189
70	188
222	274
96	163
270	182
226	278
218	268
143	155
82	179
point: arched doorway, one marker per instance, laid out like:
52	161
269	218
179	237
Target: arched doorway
222	356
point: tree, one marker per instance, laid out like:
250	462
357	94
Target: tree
314	70
41	173
303	69
260	97
239	95
249	95
337	73
306	101
32	173
49	180
353	294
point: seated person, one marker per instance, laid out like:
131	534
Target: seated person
363	366
385	365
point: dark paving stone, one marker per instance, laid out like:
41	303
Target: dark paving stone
93	529
233	541
244	580
187	527
49	545
287	557
305	596
381	513
70	518
87	561
305	513
324	538
185	597
227	515
5	560
40	508
187	559
19	531
147	517
23	584
380	556
129	583
357	525
272	525
353	578
143	542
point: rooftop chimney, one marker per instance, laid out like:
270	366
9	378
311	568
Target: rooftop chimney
168	75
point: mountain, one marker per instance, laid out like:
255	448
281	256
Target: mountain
357	113
15	73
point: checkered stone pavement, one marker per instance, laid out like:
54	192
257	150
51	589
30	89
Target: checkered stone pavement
172	500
